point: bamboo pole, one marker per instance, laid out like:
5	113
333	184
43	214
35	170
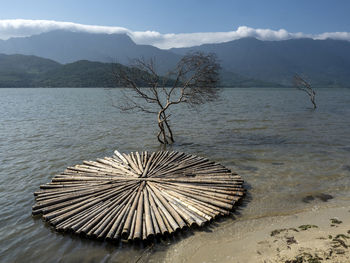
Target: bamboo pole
139	219
132	228
148	216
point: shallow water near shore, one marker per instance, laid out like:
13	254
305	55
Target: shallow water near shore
292	158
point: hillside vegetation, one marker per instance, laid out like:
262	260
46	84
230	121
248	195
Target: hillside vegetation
32	71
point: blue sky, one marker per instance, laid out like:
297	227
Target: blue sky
180	16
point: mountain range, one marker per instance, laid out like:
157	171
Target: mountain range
245	62
67	47
324	62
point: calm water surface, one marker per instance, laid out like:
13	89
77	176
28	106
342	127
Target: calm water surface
290	156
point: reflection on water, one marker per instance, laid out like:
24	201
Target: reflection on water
291	157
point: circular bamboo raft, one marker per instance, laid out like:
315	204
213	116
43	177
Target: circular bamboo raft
138	196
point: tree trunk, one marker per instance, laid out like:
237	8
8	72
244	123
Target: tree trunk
165	134
161	132
171	137
312	98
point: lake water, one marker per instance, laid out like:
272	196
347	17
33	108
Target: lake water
292	158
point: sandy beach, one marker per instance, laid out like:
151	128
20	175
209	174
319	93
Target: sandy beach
319	235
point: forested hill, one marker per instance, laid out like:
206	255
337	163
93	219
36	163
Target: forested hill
32	71
21	71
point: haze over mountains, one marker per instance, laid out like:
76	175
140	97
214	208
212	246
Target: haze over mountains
247	60
325	62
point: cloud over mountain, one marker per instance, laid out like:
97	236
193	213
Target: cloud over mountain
23	27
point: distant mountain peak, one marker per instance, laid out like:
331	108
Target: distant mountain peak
67	46
73	35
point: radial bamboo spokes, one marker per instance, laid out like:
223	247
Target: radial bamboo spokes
138	196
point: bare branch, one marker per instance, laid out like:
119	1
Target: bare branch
303	85
193	82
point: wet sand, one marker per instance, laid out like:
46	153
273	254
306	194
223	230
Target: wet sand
319	235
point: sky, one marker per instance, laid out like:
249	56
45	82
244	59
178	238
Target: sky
181	20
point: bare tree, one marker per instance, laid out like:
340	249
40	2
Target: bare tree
303	85
194	81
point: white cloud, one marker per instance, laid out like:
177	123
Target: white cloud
334	35
22	28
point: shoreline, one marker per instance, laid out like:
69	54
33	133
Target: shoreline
318	235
